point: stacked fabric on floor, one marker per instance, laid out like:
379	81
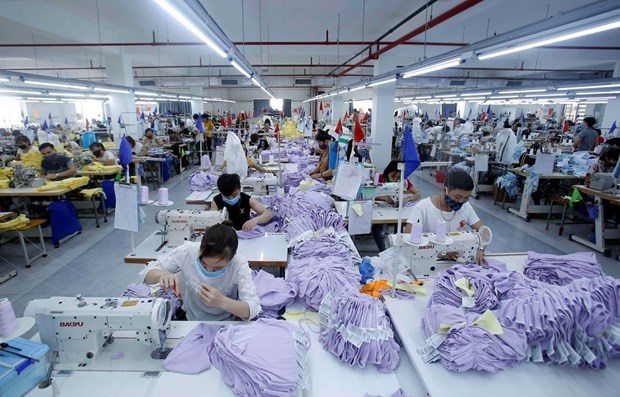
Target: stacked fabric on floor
200	181
561	269
574	324
266	358
357	330
315	277
274	293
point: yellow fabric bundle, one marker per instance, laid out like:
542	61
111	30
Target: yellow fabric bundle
13	224
4	183
109	145
89	193
6	173
98	167
32	159
70	183
289	130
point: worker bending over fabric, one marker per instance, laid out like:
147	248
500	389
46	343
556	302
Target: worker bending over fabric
239	204
450	205
322	170
215	282
102	155
55	166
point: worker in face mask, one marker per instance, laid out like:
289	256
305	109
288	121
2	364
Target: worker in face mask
101	155
24	146
323	139
239	204
55	166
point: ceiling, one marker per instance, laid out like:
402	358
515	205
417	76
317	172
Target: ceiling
299	39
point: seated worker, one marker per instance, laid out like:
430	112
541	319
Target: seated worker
101	155
239	204
70	145
606	162
216	282
259	141
28	154
55	166
392	174
322	170
450	205
136	147
149	141
176	141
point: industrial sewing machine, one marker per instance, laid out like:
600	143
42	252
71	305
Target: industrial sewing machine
265	185
80	329
187	225
391	189
602	181
82	159
25	177
423	259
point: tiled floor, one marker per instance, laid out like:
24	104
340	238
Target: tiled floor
92	263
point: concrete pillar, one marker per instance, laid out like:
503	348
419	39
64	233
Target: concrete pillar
337	108
383	113
197	104
119	72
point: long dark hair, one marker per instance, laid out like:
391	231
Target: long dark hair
219	241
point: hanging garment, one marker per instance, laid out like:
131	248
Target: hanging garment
506	142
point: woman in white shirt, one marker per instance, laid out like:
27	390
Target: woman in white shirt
101	155
215	282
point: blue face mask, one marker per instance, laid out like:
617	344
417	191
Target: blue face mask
232	201
452	203
207	273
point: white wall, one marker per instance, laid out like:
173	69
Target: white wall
39	112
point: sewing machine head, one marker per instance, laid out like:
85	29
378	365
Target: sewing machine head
25	177
187	225
391	189
80	329
264	185
423	258
82	159
602	181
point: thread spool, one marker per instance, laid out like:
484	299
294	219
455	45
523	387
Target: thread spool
441	231
163	196
8	322
416	233
144	194
205	162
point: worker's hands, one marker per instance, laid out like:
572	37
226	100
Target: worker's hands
50	176
249	225
449	256
316	176
211	296
480	257
170	281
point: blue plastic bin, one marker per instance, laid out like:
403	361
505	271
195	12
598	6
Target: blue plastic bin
23	374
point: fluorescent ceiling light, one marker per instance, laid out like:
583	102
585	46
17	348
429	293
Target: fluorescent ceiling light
590	87
10	98
190	26
474	99
256	82
478	94
111	90
3	79
503	97
544	95
54	101
65	94
423	97
145	93
540	43
184	97
523	91
20	91
342	92
446	96
71	86
383	81
168	96
597	92
240	68
97	96
357	88
433	68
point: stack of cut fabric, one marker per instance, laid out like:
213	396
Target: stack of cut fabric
274	293
15	223
98	167
200	182
322	243
69	183
258	231
267	358
561	269
191	356
7	172
357	330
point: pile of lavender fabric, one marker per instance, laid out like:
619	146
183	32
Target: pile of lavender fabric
357	330
266	358
200	181
274	293
495	318
561	269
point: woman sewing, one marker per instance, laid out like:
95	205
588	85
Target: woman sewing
323	139
214	280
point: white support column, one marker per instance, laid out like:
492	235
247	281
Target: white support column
383	113
119	72
337	108
197	104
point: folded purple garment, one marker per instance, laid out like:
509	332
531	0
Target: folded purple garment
191	356
561	269
469	346
259	231
199	182
274	293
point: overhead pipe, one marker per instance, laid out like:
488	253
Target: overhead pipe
456	10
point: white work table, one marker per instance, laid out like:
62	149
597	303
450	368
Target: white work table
268	250
380	215
527	379
201	198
